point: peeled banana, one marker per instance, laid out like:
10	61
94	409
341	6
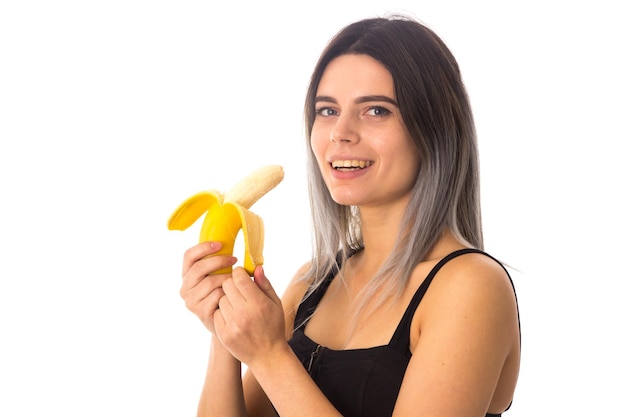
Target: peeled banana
227	213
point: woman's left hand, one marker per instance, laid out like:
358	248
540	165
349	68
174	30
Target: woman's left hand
250	320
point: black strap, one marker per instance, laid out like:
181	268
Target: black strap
312	299
401	337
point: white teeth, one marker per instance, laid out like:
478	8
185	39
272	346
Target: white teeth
351	164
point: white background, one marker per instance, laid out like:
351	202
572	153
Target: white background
112	113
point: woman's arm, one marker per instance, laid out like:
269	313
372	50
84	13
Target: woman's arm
222	382
290	388
254	326
465	339
201	291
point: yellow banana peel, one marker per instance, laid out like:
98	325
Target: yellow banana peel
227	213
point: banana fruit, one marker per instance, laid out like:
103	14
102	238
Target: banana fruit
227	213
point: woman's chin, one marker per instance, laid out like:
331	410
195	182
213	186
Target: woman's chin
346	200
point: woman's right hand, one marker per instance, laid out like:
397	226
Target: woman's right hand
200	289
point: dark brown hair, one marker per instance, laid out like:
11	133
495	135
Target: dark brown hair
435	108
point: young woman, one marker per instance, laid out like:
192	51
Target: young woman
399	312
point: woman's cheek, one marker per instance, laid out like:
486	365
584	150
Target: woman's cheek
318	148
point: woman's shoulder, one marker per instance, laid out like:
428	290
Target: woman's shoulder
472	281
467	322
477	267
474	271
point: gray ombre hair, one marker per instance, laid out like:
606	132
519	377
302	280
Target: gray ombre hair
436	111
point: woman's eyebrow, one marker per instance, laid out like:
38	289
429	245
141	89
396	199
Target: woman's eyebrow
366	99
327	99
359	100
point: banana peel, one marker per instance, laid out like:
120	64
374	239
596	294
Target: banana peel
228	213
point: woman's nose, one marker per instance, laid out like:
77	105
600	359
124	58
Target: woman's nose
344	130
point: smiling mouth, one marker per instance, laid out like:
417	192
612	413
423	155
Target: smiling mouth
350	165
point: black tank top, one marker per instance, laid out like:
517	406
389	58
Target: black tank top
361	382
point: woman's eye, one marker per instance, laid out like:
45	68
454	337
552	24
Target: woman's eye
378	111
325	111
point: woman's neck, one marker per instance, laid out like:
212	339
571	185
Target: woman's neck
379	229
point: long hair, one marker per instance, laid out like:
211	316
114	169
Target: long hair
435	109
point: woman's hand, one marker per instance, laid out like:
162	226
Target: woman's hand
201	290
250	321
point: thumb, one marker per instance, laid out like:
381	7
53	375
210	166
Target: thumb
264	284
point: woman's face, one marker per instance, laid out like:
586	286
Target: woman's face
364	151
